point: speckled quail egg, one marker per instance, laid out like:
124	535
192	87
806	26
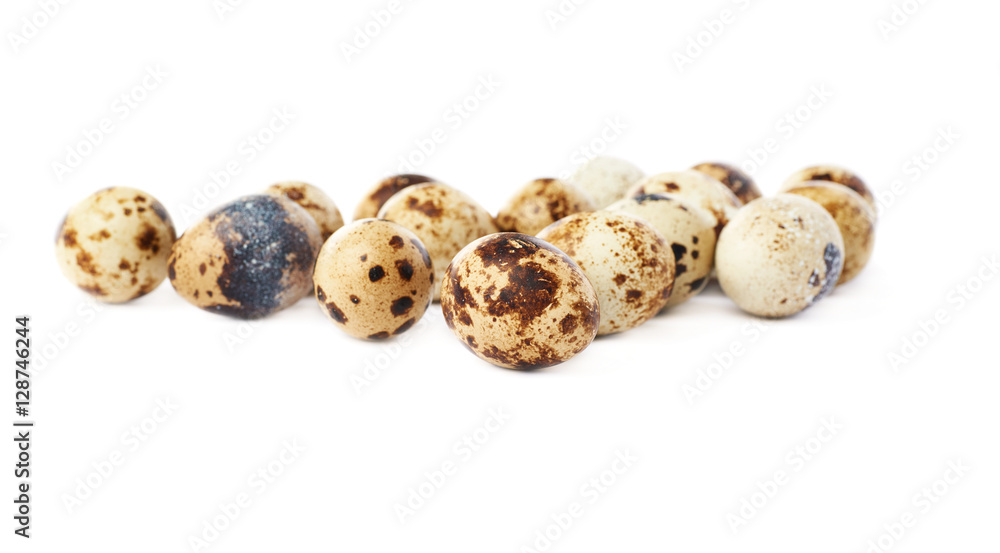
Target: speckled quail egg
374	279
741	184
518	302
313	200
854	217
628	262
540	203
445	219
698	189
114	244
689	231
381	192
779	255
247	259
606	179
835	174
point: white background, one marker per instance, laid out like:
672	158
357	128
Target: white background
290	378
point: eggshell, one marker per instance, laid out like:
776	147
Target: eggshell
628	262
376	197
779	255
834	174
518	302
699	189
247	259
374	279
689	231
319	206
115	243
540	203
740	183
444	219
854	216
606	179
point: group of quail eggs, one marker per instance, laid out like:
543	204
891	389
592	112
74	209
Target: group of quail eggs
561	263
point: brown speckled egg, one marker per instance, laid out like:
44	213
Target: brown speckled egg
114	244
314	201
606	179
444	219
779	255
689	231
381	192
247	259
628	262
540	203
735	179
854	217
698	189
835	174
519	303
374	279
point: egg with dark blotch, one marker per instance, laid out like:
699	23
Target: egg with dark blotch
319	206
688	230
374	279
375	198
628	261
837	175
115	243
518	302
779	255
445	219
540	203
740	183
247	259
854	217
697	188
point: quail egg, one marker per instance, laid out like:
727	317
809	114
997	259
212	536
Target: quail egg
444	219
384	190
854	217
247	259
540	203
628	262
374	279
313	200
518	302
779	255
835	174
114	244
699	189
606	179
734	178
689	231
